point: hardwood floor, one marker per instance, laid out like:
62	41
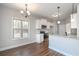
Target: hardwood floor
33	49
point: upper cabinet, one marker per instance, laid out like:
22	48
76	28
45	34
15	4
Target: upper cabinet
74	20
43	24
38	24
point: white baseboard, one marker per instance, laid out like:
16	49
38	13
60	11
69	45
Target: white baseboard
62	52
14	46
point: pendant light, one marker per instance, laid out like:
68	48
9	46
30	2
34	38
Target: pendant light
58	22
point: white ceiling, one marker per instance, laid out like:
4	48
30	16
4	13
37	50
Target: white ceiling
46	10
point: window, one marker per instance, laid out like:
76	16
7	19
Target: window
20	28
25	28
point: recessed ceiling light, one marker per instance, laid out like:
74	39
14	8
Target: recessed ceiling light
58	22
21	11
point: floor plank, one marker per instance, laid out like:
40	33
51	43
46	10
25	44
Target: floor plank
34	49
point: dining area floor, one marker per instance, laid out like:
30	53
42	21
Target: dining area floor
33	49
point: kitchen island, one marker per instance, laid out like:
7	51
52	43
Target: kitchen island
67	45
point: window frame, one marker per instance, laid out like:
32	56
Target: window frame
21	29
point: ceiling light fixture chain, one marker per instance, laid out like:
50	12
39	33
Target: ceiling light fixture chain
26	6
58	12
26	11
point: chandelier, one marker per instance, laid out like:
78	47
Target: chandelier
27	13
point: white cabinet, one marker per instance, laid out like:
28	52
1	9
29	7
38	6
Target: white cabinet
39	38
68	28
38	24
73	21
